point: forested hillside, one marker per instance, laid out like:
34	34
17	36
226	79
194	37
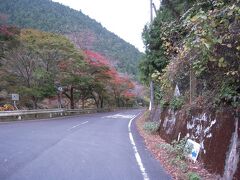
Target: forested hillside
85	32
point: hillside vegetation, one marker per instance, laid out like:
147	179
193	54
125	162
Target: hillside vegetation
193	57
194	45
85	32
40	65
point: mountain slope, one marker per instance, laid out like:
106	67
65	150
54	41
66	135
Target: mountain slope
85	32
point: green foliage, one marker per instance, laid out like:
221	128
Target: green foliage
85	32
176	103
178	152
179	148
193	176
151	127
182	165
164	103
198	41
32	68
167	147
228	94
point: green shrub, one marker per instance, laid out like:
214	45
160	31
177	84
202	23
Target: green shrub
182	165
193	176
165	146
179	148
176	103
151	127
164	103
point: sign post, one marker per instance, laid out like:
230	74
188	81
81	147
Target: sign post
59	91
15	97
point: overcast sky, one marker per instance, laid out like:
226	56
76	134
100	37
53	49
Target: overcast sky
126	18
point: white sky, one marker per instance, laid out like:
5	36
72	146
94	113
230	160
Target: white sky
125	18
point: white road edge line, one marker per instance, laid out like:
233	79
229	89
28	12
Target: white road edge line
78	125
137	156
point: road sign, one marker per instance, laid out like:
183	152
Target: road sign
194	149
60	89
15	97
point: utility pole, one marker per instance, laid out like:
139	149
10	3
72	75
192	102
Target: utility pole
151	11
151	104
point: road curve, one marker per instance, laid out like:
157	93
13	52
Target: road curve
102	146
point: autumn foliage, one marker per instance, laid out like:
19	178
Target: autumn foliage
119	85
52	61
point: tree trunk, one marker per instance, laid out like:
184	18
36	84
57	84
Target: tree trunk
34	99
83	103
101	101
59	100
71	98
193	85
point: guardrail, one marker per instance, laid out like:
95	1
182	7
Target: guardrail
44	113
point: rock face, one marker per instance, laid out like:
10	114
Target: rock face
218	132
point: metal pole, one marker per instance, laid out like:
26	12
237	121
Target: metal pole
151	104
151	11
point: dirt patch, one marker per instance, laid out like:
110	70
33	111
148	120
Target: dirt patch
153	143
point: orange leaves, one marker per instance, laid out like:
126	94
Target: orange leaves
96	59
121	85
7	107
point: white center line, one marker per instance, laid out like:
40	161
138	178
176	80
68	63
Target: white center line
78	125
137	156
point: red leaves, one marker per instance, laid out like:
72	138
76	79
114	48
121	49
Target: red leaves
129	95
120	84
5	31
96	59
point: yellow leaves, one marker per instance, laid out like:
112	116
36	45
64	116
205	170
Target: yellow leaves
200	16
222	63
238	48
155	75
194	18
212	59
167	44
232	73
220	40
163	38
206	42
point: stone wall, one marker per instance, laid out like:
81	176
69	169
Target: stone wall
218	132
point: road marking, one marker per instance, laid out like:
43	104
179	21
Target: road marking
137	156
115	116
78	125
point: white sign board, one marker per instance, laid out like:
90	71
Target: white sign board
177	91
15	97
194	149
60	89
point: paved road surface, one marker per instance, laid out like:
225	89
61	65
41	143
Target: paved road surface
104	146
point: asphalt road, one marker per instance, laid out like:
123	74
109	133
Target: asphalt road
103	146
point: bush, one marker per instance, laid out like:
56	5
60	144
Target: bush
193	176
151	127
178	151
7	107
165	146
176	103
179	148
164	103
182	165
